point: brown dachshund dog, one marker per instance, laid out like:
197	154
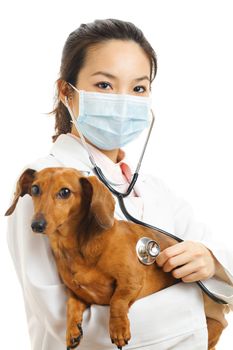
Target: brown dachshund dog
77	214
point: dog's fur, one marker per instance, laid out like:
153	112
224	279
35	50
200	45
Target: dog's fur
95	253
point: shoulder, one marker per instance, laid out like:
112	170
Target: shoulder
41	163
37	164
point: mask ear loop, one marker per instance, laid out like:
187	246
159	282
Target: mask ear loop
74	121
80	133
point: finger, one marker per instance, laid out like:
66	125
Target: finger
185	270
177	261
193	277
170	252
201	274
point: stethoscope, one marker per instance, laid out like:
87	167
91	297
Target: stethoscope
146	249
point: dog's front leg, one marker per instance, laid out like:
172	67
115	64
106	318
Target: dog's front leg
74	313
122	299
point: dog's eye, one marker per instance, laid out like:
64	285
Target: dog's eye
64	193
35	190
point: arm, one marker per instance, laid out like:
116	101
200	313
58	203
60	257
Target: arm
211	260
44	293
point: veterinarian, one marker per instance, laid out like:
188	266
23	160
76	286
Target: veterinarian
112	56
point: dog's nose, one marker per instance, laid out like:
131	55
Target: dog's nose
38	225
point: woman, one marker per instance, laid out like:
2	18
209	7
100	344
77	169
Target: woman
113	57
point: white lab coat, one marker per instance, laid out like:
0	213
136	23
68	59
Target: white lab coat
170	319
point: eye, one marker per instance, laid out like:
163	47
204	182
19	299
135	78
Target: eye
64	193
103	85
137	89
35	190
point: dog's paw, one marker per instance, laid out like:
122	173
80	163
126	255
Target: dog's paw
119	331
73	335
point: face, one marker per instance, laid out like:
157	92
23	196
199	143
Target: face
56	195
117	66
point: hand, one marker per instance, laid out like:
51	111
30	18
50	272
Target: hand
189	261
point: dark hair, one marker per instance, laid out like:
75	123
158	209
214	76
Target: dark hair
75	51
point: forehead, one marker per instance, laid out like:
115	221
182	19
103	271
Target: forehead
57	176
123	58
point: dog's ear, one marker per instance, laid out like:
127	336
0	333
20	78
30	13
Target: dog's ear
23	187
100	199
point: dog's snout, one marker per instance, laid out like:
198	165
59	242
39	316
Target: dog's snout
39	225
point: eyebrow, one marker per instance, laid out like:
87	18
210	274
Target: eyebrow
113	77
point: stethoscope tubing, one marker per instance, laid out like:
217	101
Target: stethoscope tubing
121	196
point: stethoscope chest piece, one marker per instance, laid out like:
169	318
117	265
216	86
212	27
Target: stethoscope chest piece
147	250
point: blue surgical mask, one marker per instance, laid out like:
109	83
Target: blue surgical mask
110	121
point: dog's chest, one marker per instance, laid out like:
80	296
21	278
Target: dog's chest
86	280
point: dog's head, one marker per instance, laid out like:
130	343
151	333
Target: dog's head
63	194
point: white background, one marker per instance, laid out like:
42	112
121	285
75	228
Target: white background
192	143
